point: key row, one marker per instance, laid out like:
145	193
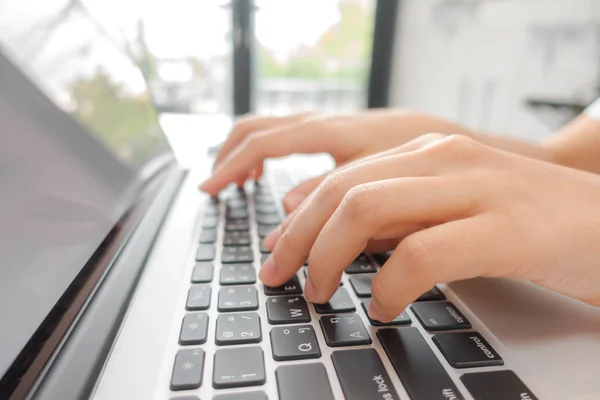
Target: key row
433	316
361	372
339	330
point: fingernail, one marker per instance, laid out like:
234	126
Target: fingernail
373	312
292	200
309	290
268	269
272	238
203	185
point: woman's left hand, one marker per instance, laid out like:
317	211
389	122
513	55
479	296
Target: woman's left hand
456	209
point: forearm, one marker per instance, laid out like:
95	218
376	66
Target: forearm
577	145
527	149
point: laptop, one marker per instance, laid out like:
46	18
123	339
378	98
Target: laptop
119	280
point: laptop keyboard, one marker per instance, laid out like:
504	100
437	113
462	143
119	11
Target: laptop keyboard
360	371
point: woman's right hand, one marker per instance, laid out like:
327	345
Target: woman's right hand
346	138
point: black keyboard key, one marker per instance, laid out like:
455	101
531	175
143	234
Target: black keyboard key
237	213
237	238
420	371
264	230
287	310
210	222
263	258
212	210
263	199
361	265
194	329
402	319
262	247
206	252
237	254
290	287
497	385
305	272
339	302
236	203
294	343
237	274
303	382
344	330
235	193
208	236
266	208
362	375
198	298
268	219
238	298
238	329
381	258
467	350
242	396
203	272
237	225
432	295
440	316
187	369
238	367
362	284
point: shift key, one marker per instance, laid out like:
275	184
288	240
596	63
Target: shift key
362	375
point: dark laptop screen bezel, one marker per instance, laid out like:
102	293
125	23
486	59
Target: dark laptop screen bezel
43	343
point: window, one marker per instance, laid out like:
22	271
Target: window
312	55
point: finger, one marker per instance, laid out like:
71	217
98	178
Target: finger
271	239
381	210
258	172
300	232
295	242
452	251
302	138
297	195
249	124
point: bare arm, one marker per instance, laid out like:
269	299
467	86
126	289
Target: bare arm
577	145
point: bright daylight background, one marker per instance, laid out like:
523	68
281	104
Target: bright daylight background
311	54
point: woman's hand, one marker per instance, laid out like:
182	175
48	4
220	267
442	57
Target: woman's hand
459	209
345	138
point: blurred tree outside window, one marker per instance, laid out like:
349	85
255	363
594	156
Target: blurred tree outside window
313	55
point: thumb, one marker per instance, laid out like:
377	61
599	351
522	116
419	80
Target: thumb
296	196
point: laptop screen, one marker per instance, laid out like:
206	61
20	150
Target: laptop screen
77	128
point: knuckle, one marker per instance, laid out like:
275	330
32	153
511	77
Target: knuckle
358	202
431	137
459	147
333	186
244	124
254	142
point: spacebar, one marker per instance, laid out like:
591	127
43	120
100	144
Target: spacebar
417	367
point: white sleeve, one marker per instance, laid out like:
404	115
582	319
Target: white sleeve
593	110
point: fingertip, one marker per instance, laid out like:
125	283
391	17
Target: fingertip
309	291
267	271
374	311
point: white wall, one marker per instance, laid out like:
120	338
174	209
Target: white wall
477	61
